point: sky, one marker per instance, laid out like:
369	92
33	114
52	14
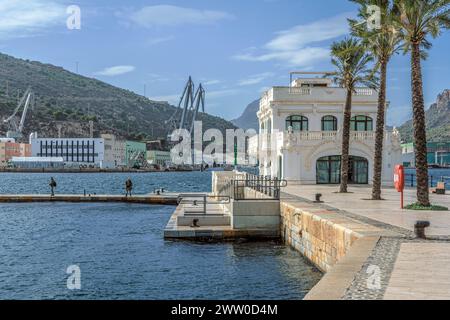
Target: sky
235	48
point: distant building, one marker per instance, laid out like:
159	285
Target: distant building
9	149
135	153
85	151
37	163
301	134
160	144
114	152
438	153
160	158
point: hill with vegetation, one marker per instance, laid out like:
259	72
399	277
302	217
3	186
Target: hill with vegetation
437	121
69	101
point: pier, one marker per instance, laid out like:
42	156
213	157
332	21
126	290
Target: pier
346	236
152	199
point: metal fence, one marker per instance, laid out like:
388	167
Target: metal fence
411	181
270	188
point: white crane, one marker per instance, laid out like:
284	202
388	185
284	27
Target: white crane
16	129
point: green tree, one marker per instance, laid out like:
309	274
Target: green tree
383	42
352	61
417	20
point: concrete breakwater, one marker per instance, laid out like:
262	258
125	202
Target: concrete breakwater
166	199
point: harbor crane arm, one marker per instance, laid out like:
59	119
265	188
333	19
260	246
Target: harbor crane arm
188	102
25	111
19	105
199	99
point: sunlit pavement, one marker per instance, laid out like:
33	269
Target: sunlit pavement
387	210
420	268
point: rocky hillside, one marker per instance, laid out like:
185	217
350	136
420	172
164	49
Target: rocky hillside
437	118
69	101
248	119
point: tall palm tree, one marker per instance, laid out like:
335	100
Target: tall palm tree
417	20
351	60
383	43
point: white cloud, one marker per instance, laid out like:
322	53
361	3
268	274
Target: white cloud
158	40
212	82
170	16
20	18
255	79
115	71
295	46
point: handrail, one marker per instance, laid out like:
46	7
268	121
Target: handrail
197	199
271	188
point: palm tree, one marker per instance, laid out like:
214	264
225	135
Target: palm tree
417	20
351	60
383	43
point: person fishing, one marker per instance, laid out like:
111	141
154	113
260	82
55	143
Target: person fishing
128	187
52	185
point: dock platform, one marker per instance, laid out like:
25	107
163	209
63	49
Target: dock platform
153	199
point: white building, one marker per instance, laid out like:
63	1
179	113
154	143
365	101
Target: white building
114	152
301	134
86	151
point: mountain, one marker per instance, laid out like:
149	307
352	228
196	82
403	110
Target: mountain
437	120
68	101
248	119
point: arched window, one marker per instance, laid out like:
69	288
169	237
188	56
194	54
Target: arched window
329	123
361	123
298	123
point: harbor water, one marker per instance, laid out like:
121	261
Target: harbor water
120	250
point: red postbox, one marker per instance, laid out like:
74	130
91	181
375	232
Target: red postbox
399	180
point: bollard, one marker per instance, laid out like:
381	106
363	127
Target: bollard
419	229
318	198
195	223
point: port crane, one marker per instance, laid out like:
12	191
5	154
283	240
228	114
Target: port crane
15	129
189	107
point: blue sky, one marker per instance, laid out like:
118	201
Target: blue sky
237	48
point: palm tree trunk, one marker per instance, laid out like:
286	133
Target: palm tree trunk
420	135
346	142
379	138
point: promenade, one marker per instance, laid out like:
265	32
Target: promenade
410	268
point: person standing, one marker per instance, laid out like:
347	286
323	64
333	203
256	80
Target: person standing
52	185
128	187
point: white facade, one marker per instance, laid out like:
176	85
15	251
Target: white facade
86	151
301	134
114	152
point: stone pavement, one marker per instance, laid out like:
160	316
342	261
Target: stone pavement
387	211
409	268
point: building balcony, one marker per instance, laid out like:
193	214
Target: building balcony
316	95
286	140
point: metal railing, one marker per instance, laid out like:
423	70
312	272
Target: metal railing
269	188
198	202
411	180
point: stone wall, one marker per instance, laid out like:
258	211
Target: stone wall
320	236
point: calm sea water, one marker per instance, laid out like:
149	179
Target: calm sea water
121	251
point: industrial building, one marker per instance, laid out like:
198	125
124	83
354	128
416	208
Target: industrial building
88	151
37	163
160	158
9	149
438	153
